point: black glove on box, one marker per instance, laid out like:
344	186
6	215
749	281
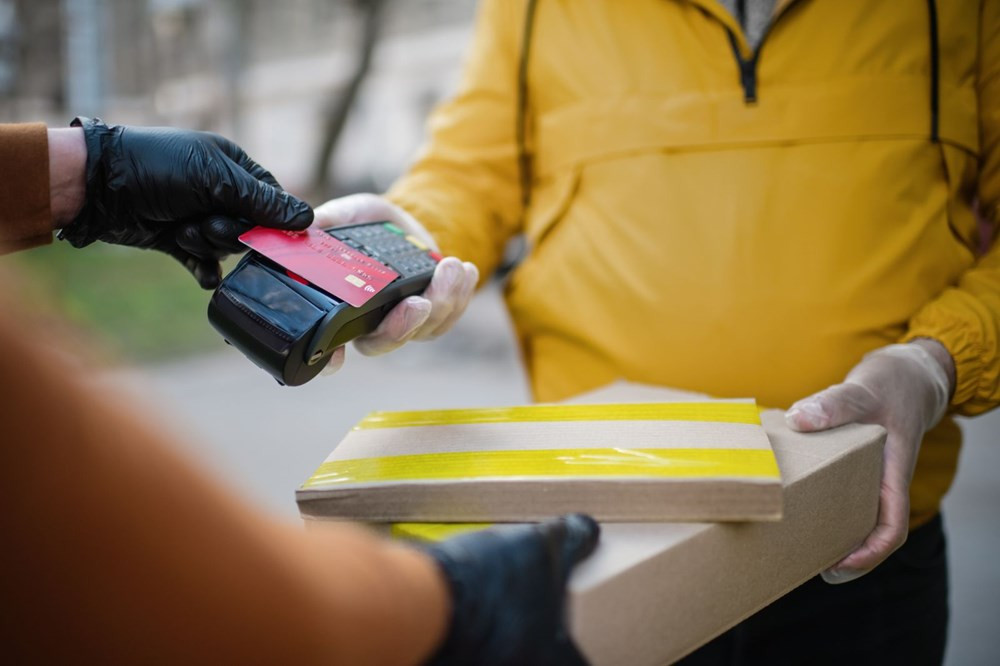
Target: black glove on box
508	588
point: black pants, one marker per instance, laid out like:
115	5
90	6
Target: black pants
897	614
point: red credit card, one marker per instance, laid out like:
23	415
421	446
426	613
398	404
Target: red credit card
320	258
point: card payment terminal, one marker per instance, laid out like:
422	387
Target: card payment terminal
297	296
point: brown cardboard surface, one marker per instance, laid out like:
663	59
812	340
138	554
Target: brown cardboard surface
652	593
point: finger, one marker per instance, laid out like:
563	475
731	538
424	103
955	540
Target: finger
465	289
190	239
224	233
355	209
443	292
336	361
580	538
239	194
889	534
208	272
832	407
396	328
238	155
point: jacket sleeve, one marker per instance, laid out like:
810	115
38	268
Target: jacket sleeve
464	186
966	317
117	549
25	217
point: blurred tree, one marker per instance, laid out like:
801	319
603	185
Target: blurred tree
8	47
86	78
33	48
339	110
236	53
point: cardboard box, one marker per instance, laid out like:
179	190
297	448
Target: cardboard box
701	460
652	593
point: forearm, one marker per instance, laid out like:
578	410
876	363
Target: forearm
965	319
67	174
465	186
118	549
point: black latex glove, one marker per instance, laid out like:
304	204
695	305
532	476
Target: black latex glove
189	194
508	587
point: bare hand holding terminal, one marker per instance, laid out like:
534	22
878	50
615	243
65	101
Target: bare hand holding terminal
417	317
188	194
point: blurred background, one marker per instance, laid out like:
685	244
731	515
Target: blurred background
330	95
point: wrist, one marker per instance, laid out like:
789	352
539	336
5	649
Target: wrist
67	174
927	379
428	583
464	629
942	356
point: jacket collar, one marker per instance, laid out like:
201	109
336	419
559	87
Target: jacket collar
721	14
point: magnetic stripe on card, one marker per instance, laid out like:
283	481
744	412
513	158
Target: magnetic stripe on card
724	412
672	463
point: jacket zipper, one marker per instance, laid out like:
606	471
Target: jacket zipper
748	66
748	69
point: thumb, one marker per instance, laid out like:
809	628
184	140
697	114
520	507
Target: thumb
577	535
355	209
840	404
261	203
247	163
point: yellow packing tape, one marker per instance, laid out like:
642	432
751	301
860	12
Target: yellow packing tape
725	412
605	462
433	531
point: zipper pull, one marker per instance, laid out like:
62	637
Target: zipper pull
748	79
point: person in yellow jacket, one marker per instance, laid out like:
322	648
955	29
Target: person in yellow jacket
763	199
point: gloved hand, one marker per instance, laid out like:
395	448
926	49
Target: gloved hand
905	388
189	194
417	317
508	587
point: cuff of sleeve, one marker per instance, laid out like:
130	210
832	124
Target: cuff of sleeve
969	354
466	241
425	216
9	246
84	229
26	218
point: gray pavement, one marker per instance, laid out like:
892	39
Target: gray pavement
266	439
971	512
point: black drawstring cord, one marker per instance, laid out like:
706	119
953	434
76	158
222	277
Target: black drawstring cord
523	158
935	71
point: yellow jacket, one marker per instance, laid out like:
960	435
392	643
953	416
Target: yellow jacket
740	224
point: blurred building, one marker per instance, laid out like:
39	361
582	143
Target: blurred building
268	74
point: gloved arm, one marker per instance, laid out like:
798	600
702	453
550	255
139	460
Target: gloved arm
118	549
905	388
417	317
508	587
188	194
